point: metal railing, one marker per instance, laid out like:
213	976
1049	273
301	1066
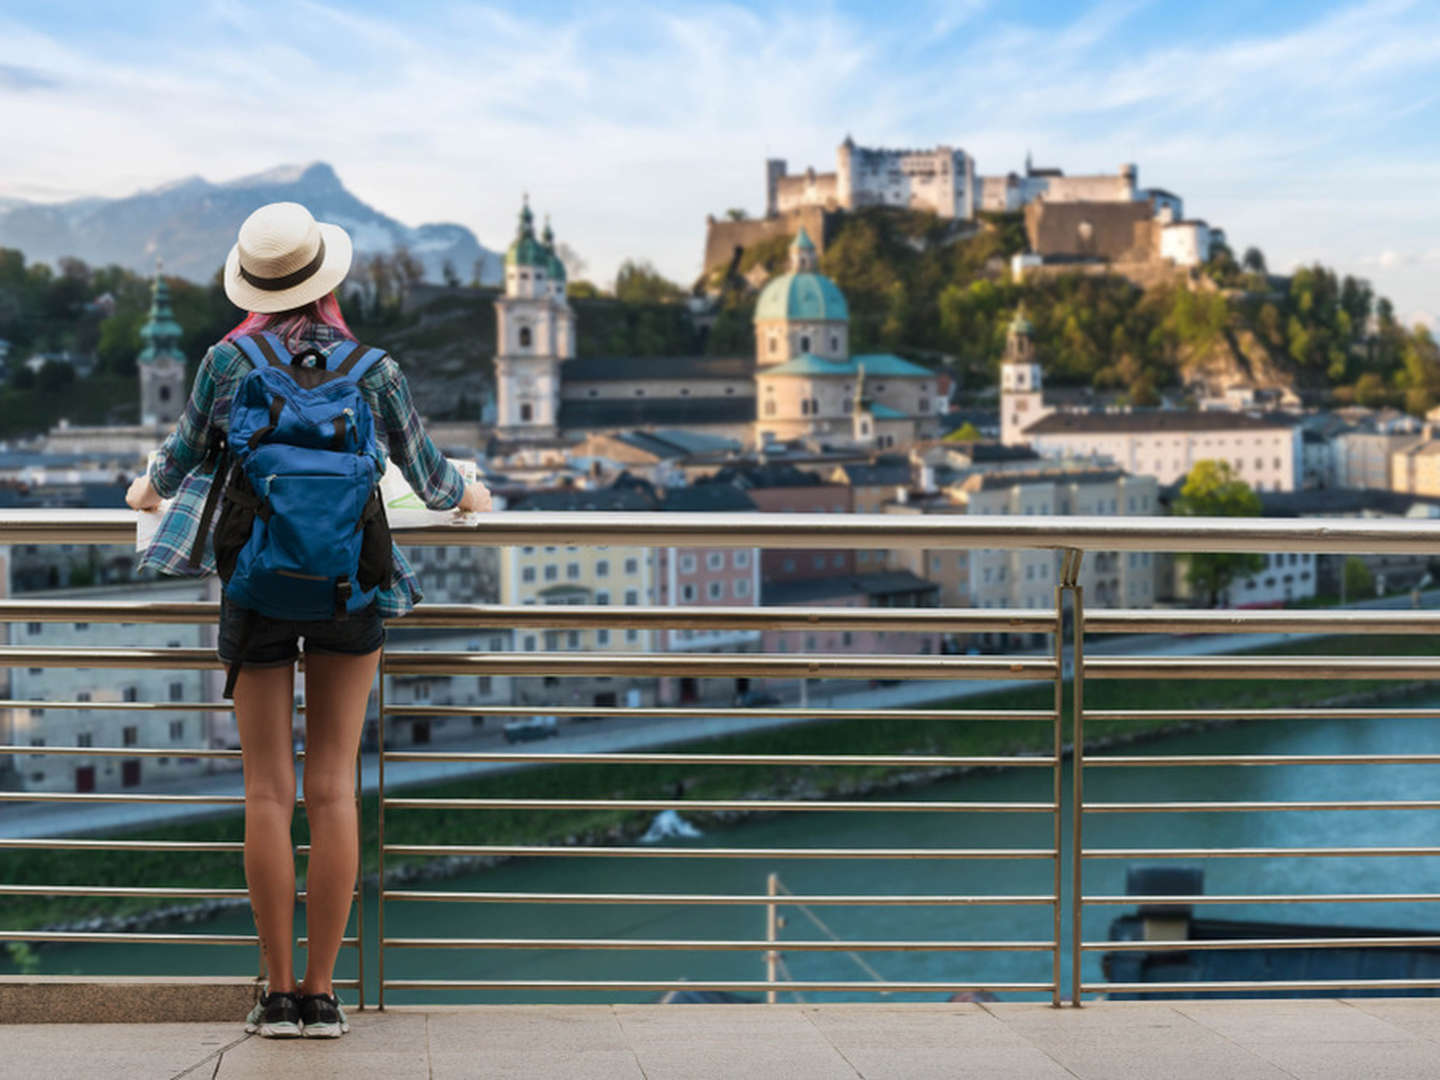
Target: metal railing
1072	536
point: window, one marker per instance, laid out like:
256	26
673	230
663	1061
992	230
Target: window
769	408
130	735
572	571
177	691
602	568
34	628
687	593
527	574
131	694
602	597
716	590
818	561
529	642
632	597
632	635
177	730
804	406
715	560
632	566
83	695
525	337
84	739
572	639
552	572
526	413
804	342
687	563
602	637
774	345
742	586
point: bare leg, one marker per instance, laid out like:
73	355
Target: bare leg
264	699
336	691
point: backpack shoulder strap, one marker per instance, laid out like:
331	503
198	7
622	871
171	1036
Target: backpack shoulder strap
264	349
361	359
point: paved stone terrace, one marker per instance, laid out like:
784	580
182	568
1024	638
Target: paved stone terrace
1364	1039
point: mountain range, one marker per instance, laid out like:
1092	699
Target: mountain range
191	225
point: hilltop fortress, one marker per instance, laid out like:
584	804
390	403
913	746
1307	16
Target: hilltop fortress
1104	217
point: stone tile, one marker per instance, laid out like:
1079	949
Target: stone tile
1142	1023
1348	1061
521	1028
761	1059
1301	1021
62	1051
989	1062
536	1064
386	1044
1120	1059
1417	1016
878	1027
786	1025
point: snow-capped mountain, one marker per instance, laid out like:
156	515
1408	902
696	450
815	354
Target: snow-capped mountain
191	223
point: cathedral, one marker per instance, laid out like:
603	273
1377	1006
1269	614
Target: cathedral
802	382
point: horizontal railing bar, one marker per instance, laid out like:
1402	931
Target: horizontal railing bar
1257	853
788	712
713	665
1262	667
108	611
120	751
129	938
97	844
618	758
1275	985
713	899
1126	761
1269	898
1185	715
114	796
133	706
647	852
799	986
134	657
1361	536
159	891
1212	944
1253	621
650	944
706	805
1229	807
609	616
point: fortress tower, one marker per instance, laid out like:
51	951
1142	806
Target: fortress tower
535	331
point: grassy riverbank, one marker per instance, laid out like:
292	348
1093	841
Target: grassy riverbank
878	735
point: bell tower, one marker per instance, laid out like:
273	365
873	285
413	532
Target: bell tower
535	331
1022	400
161	363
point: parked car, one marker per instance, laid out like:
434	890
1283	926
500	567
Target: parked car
532	728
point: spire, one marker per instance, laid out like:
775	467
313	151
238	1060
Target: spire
527	219
803	257
548	236
161	333
1018	346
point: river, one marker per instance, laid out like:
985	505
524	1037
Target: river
918	829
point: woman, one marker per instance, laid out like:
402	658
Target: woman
283	271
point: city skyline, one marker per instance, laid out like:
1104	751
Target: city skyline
1297	129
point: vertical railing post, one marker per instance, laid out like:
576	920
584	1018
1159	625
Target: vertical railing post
359	870
772	928
1071	581
380	838
1057	839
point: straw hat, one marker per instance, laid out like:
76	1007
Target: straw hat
285	259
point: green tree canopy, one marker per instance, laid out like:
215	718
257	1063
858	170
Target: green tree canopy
1213	490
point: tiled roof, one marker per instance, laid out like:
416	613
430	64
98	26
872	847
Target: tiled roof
885	583
707	497
629	368
1156	420
636	412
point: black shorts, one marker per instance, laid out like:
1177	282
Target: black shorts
275	642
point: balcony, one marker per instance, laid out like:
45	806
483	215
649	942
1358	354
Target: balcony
999	889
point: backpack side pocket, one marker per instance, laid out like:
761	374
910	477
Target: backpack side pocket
235	524
377	556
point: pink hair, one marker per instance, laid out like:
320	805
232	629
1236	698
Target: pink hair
291	325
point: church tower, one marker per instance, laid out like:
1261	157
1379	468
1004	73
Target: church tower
1022	401
161	363
535	331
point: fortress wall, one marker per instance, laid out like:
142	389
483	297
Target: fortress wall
723	237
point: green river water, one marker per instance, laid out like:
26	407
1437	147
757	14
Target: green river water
920	829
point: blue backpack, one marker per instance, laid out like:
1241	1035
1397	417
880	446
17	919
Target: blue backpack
302	533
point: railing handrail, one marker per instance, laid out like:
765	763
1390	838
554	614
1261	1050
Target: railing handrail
823	530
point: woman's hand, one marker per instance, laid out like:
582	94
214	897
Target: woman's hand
475	500
141	494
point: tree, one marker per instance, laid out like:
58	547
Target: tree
736	213
1359	582
966	432
1254	260
638	282
582	290
1213	490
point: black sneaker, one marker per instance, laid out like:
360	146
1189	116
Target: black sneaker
275	1016
322	1016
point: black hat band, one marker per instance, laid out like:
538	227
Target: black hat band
289	281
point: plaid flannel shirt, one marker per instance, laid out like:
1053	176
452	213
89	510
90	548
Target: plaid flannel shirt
180	469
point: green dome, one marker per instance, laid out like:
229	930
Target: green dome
161	333
804	295
553	264
526	250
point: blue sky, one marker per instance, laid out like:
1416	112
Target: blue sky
1307	129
